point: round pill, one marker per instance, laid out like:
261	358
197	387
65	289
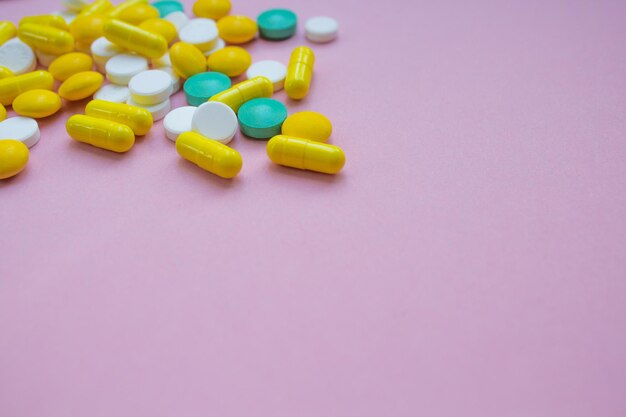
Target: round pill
179	19
44	58
113	93
161	27
158	111
178	121
150	87
67	65
168	7
212	9
237	29
308	125
37	103
176	82
219	44
187	60
201	33
81	85
102	50
3	112
138	13
24	129
273	70
232	61
277	24
17	56
215	121
321	29
201	87
13	158
121	68
262	118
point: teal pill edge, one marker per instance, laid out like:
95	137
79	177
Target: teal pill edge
201	87
262	118
277	24
168	7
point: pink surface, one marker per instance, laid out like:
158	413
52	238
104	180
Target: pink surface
469	261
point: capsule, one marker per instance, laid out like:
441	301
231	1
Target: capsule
135	39
97	7
7	31
53	20
137	118
299	72
237	95
305	154
100	133
14	86
46	38
5	73
120	8
209	154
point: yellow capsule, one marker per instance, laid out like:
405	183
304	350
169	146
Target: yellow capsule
308	125
238	94
86	29
305	154
232	61
81	85
161	27
100	133
138	13
299	72
209	154
5	73
187	60
137	118
115	13
13	158
7	31
237	29
37	103
14	86
67	65
97	7
3	113
46	38
47	20
212	9
135	39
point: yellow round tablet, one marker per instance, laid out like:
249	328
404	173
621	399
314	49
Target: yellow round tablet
187	60
308	125
232	61
237	29
161	27
37	103
13	158
81	85
67	65
212	9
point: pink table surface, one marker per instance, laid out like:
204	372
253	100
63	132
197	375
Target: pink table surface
469	261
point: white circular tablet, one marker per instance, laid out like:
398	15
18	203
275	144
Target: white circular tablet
113	93
216	121
17	56
176	81
23	129
121	68
321	29
178	121
178	19
275	71
201	33
44	59
158	111
103	48
150	87
219	44
164	61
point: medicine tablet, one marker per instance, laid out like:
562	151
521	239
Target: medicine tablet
187	60
121	68
166	8
113	93
232	61
44	59
102	50
321	29
76	5
17	56
67	65
261	118
164	61
37	103
277	24
67	15
273	70
201	87
24	129
179	19
308	125
237	29
158	111
216	121
150	87
80	86
176	80
178	121
13	158
201	33
212	9
219	44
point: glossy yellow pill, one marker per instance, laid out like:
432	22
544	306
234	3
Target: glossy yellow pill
81	85
238	94
232	61
100	133
13	158
5	73
308	125
209	154
7	31
299	72
187	60
119	9
161	27
3	113
237	29
212	9
37	103
86	29
135	39
67	65
305	154
47	20
14	86
138	13
47	39
97	7
137	118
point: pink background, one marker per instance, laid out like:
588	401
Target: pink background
469	261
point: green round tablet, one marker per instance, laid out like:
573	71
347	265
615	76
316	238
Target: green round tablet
262	118
201	87
166	7
277	24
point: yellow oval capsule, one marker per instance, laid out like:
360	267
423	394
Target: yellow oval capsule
135	39
37	103
308	125
14	86
81	85
187	60
305	154
299	72
46	38
232	61
209	154
67	65
3	113
137	118
161	27
97	7
238	94
5	73
100	133
86	29
7	31
211	9
138	13
120	8
13	158
47	20
237	29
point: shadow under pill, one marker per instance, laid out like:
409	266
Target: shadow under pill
202	175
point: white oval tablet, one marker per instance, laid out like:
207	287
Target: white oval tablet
275	71
178	121
113	93
23	129
44	59
158	111
178	19
216	121
219	44
321	29
150	87
201	33
17	56
121	68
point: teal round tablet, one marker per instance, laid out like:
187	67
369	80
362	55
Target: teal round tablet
277	24
262	118
201	87
167	7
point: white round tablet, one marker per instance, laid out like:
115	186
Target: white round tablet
121	68
178	121
17	56
23	129
176	81
201	33
113	93
216	121
150	87
321	29
219	44
178	19
44	59
158	111
275	71
164	61
103	48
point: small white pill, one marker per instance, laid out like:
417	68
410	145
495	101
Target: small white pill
216	121
103	48
113	93
219	44
275	71
176	81
164	61
17	56
178	19
121	68
321	29
158	111
178	121
150	87
201	33
23	129
44	59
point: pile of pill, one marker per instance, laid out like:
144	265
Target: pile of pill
129	59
